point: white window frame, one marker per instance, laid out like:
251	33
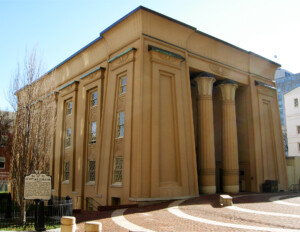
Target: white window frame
69	107
93	99
120	130
68	137
122	85
92	132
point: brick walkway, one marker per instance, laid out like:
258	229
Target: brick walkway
204	214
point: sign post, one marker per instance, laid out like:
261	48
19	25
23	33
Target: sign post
38	188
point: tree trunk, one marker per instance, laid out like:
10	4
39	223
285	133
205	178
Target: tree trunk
23	212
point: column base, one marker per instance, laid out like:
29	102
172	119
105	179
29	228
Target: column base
207	189
231	188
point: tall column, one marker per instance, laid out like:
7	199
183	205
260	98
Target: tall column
206	145
229	138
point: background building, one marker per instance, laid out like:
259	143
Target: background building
154	109
285	82
6	136
292	117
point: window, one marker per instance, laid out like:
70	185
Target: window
122	88
298	129
67	171
68	138
118	168
115	201
120	124
69	107
93	98
3	140
296	102
91	174
298	146
2	163
92	132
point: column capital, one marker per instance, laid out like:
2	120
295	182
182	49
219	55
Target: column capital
204	84
228	88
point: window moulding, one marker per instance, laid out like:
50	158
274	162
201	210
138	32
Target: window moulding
68	88
122	59
163	56
259	83
94	75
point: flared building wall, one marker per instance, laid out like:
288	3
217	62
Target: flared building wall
154	109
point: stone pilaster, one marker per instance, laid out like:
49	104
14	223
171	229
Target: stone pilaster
229	138
206	146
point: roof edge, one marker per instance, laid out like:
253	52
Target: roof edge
74	54
148	10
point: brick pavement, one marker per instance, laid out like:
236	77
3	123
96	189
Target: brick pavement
158	218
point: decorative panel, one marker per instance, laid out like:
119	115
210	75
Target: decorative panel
269	149
167	148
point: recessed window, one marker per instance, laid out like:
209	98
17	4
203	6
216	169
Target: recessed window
118	169
296	102
120	124
115	201
67	170
122	88
93	98
298	129
92	132
68	138
2	163
298	146
92	169
69	107
3	140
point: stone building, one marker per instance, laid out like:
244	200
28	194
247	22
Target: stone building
154	109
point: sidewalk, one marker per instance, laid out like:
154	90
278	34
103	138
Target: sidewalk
250	212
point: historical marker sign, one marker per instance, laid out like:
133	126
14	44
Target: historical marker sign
37	186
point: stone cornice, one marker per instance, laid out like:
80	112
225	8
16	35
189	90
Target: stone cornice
123	58
92	72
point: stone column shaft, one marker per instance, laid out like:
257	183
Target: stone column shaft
206	146
229	139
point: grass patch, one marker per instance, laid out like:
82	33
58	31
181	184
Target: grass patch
29	226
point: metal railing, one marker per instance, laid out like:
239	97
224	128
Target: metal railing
54	209
294	188
92	204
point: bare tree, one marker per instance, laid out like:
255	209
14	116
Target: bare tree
6	129
33	126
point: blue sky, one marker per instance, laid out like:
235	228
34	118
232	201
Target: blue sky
59	28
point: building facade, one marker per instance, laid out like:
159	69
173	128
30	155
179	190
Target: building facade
285	82
6	137
154	109
292	117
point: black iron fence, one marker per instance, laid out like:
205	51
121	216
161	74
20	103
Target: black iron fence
54	209
294	188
